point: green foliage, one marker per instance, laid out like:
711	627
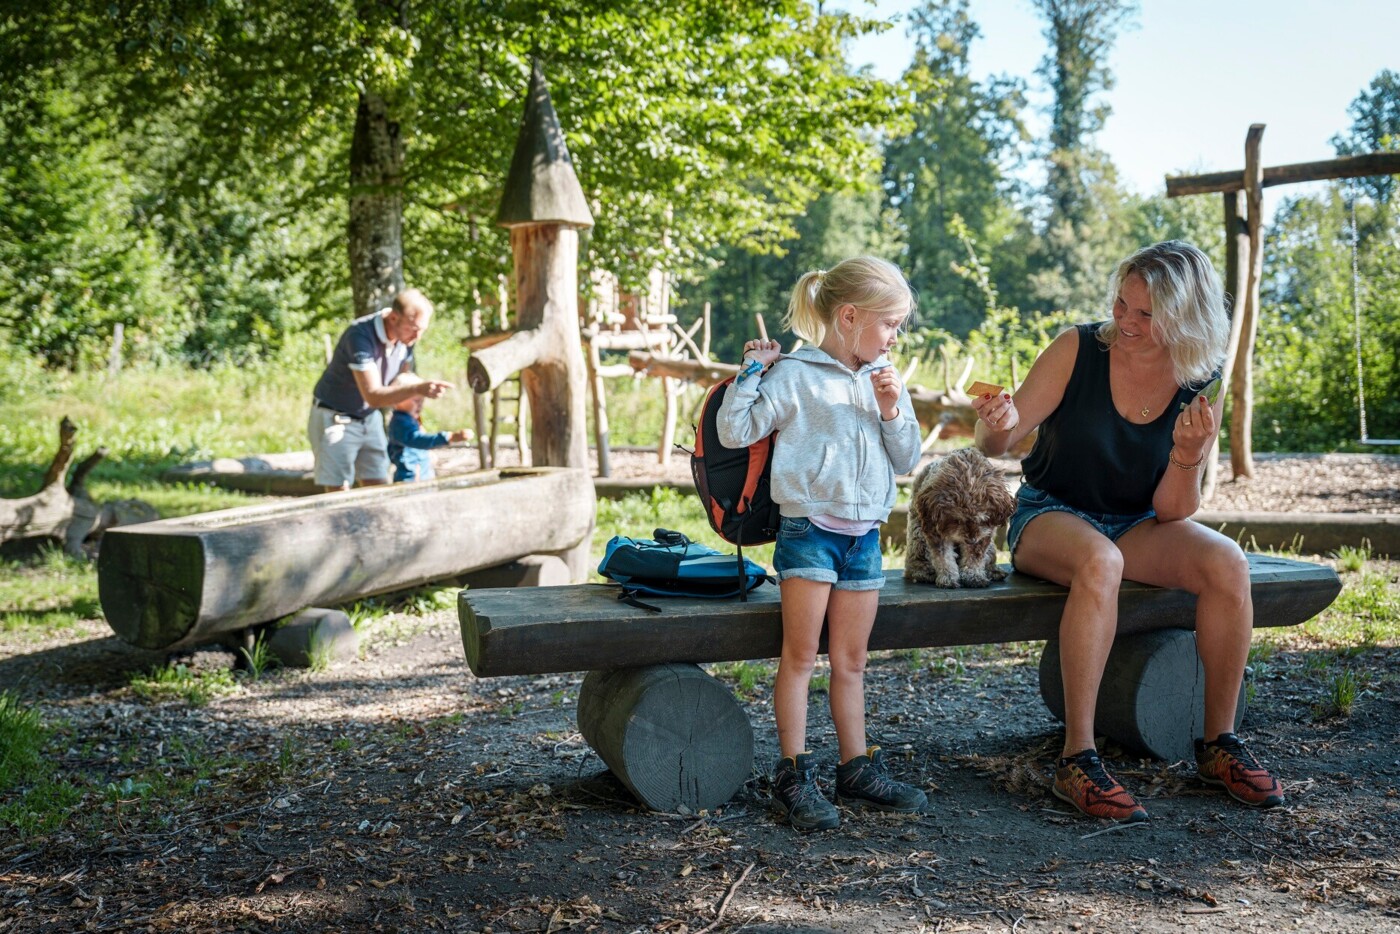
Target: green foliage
257	659
1375	127
953	164
1086	228
1305	358
1351	559
22	736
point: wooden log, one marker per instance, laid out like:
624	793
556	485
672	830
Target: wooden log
582	627
700	372
672	734
1373	163
314	637
60	510
529	571
952	415
1236	284
1242	375
629	339
179	581
1152	696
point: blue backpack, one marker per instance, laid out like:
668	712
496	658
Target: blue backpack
671	565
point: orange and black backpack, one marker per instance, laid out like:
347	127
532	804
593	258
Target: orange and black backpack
733	483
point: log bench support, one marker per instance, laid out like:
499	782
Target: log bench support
675	736
680	741
1152	697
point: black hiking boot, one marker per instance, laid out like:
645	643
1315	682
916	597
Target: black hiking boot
796	794
865	780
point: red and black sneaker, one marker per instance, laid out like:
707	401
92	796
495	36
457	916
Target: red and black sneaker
1225	762
1082	780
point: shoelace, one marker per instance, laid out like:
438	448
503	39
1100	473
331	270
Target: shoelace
805	788
1241	755
1093	770
880	783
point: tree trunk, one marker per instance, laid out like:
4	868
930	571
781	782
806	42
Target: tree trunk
376	206
1236	286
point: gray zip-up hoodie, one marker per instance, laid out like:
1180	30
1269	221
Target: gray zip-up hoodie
833	456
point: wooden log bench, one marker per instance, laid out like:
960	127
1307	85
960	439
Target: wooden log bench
179	582
679	740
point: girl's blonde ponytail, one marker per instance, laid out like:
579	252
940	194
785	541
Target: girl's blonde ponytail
804	315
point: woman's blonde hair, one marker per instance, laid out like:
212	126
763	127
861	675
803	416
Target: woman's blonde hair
874	285
1188	307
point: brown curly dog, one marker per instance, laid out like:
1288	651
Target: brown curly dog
960	500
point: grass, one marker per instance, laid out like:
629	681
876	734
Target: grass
179	682
22	736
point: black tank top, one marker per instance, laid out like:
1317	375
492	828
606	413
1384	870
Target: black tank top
1088	455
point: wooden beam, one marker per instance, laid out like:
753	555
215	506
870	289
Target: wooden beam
179	581
1373	163
585	626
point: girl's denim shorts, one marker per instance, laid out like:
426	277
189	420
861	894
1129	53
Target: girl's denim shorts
846	562
1031	502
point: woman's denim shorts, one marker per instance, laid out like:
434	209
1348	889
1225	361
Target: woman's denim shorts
846	562
1031	502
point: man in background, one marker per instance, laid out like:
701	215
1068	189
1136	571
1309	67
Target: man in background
346	430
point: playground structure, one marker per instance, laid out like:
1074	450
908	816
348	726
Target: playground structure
1243	195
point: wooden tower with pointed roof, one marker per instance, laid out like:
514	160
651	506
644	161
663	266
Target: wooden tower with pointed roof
544	207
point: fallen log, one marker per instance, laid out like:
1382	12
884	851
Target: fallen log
60	510
181	581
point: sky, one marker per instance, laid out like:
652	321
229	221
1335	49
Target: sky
1191	76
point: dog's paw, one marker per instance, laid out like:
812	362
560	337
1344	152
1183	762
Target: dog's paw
974	580
997	573
943	580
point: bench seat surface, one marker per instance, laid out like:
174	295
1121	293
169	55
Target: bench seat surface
581	627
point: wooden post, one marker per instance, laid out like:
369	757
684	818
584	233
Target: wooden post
1236	285
600	409
544	208
670	388
1242	379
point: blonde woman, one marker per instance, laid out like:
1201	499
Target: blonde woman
845	427
1124	430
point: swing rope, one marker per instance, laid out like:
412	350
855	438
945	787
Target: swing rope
1356	319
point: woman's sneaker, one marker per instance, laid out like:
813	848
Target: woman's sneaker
796	794
1226	763
865	780
1082	780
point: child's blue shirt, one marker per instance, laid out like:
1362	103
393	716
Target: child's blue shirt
409	445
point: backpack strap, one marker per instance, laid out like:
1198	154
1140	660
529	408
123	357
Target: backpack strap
629	597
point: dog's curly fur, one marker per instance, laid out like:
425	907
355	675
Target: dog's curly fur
960	500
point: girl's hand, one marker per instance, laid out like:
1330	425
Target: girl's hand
888	386
998	411
765	352
1194	428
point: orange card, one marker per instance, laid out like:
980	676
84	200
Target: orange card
981	389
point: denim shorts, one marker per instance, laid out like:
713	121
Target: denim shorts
1031	502
846	562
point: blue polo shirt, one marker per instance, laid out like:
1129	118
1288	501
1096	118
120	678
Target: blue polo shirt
365	345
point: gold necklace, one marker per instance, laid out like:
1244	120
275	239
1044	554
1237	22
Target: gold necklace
1146	409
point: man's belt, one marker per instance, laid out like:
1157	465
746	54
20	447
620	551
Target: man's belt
321	405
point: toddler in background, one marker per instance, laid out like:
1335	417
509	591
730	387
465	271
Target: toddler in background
409	444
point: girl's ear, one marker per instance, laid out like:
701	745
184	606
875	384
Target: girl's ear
847	314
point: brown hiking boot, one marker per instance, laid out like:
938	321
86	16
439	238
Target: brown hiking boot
1226	763
1082	780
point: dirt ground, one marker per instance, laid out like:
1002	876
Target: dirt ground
400	793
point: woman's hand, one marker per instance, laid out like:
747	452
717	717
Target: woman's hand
997	410
765	352
1194	428
888	386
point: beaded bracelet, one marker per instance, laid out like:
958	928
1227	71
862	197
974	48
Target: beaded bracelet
1171	456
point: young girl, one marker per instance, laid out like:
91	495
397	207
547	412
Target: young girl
845	427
